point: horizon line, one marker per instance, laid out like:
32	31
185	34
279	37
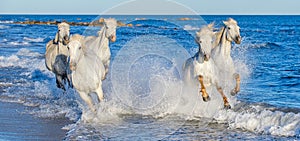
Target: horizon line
154	14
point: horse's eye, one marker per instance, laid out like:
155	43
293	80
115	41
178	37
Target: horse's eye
200	41
68	47
228	28
79	48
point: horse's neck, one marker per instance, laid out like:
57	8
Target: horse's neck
103	42
224	46
62	49
199	56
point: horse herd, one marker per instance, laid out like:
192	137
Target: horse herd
83	61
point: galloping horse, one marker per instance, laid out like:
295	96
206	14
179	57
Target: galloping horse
57	53
202	67
100	44
87	70
221	52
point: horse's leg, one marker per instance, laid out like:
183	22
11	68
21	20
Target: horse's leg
69	79
237	85
99	92
106	66
59	82
226	103
106	72
87	99
205	96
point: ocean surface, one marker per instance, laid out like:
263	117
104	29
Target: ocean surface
144	95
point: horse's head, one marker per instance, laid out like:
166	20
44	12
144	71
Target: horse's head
63	33
205	38
233	31
75	47
111	26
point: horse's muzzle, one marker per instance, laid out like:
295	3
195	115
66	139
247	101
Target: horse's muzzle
66	39
238	40
72	66
206	57
113	38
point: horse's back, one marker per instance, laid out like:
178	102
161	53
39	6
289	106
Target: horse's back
50	54
100	47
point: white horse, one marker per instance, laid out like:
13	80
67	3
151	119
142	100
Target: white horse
87	70
100	44
57	53
222	48
202	67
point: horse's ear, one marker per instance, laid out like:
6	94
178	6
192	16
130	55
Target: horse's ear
225	22
56	38
211	25
101	20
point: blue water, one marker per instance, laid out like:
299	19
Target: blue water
268	60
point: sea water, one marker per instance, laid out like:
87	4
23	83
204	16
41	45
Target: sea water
145	98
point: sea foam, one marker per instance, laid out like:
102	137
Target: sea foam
33	39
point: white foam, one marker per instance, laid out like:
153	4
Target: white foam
262	121
16	43
189	27
31	61
8	61
7	22
37	90
6	84
34	39
28	53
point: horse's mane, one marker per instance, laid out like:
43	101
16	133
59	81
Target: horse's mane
232	21
204	30
80	39
63	24
219	36
110	21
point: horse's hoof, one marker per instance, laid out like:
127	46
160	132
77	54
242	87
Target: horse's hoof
205	99
227	106
61	87
233	92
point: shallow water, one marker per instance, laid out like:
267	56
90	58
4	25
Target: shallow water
145	98
18	125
